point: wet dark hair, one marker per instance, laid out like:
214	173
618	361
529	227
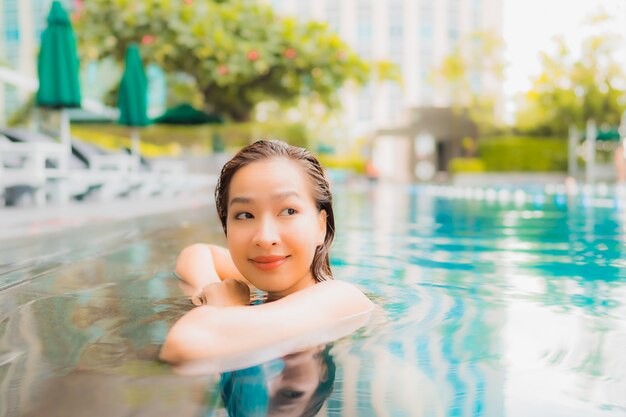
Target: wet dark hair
244	393
325	387
263	150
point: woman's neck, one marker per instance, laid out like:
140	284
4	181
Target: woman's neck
306	282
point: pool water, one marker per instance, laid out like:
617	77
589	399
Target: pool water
487	308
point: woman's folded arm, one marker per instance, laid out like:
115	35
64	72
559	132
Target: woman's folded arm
200	265
210	332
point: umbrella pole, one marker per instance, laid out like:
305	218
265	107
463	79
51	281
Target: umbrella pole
134	135
37	119
65	136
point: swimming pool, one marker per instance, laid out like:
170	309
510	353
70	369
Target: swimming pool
493	307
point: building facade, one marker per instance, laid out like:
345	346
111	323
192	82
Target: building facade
414	34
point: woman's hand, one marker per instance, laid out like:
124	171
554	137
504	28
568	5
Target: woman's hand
227	293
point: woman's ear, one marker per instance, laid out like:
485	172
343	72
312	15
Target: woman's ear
322	219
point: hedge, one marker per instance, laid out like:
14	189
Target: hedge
523	154
466	165
169	139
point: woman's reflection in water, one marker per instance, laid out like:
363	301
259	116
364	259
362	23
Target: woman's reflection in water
296	385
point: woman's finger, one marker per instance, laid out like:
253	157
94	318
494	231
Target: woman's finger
197	300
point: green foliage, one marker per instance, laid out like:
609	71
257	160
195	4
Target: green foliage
571	90
350	163
478	56
523	154
238	53
457	165
169	139
182	89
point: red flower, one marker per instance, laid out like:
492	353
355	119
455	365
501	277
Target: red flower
147	39
341	55
290	53
222	70
252	55
188	2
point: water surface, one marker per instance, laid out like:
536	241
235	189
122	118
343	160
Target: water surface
490	309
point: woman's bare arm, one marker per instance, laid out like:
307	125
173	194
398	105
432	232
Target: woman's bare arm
200	265
208	332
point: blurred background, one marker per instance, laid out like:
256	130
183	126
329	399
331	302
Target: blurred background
476	152
402	90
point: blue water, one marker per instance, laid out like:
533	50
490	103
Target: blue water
486	308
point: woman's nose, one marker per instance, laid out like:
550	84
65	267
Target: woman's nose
267	234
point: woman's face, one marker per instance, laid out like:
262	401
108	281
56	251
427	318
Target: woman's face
274	226
290	392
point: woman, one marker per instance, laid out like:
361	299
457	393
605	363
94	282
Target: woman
275	207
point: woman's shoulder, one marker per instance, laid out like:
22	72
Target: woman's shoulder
343	297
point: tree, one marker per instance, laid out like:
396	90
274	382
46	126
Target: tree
569	91
461	75
237	52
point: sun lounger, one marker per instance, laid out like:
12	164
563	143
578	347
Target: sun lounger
85	172
31	169
118	169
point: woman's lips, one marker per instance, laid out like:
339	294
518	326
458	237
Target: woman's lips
266	263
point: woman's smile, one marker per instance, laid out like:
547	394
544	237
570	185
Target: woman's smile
267	263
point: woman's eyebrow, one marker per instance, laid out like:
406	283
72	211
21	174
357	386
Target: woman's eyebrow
240	200
285	194
276	196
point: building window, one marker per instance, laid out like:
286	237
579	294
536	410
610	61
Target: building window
426	29
10	19
475	82
476	7
396	18
426	32
426	56
453	36
454	12
11	101
333	15
302	10
12	35
396	102
364	28
277	5
396	31
364	104
426	87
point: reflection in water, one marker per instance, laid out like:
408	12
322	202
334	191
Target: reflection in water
490	309
295	386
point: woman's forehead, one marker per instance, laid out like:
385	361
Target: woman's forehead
275	176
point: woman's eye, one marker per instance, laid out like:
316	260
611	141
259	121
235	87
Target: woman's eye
288	212
243	216
290	394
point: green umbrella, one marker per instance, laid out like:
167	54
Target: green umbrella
610	134
57	66
185	114
133	95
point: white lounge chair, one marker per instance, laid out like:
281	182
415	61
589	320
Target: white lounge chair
31	168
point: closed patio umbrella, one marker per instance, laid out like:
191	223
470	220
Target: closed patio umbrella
133	96
57	67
